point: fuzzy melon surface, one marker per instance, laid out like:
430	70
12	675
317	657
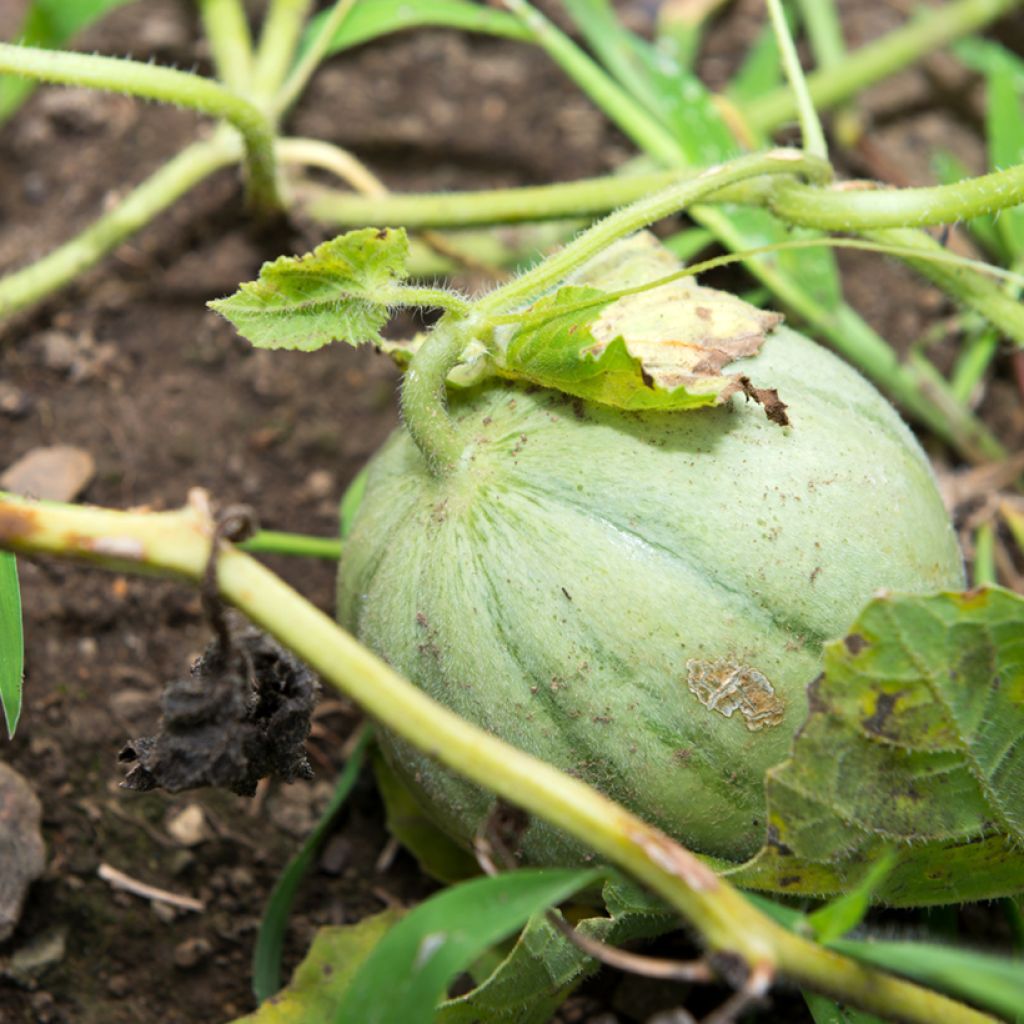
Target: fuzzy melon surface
641	599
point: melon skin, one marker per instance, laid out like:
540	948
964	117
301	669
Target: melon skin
641	598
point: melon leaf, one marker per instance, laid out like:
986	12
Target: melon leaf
915	737
338	292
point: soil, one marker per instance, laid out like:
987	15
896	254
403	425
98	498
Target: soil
128	365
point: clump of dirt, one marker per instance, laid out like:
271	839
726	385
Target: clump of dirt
241	715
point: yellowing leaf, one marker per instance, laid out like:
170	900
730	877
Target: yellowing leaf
660	348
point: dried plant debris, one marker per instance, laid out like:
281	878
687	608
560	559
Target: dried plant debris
239	716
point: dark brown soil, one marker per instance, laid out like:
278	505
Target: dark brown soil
165	397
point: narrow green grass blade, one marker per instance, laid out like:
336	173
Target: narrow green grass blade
368	21
825	1011
1004	126
409	970
12	643
49	23
991	982
266	958
843	914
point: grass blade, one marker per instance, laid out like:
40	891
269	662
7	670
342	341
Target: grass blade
409	971
825	1011
369	21
266	958
12	644
992	982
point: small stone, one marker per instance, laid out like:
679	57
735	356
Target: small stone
188	827
191	953
164	912
58	473
321	483
22	851
336	854
119	985
132	706
57	350
31	961
15	404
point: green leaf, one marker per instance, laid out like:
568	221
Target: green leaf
991	982
915	738
825	1011
842	915
1004	126
266	958
409	971
544	967
368	21
12	642
661	348
327	970
339	291
438	855
49	24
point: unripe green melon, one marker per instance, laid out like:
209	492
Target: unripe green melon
641	599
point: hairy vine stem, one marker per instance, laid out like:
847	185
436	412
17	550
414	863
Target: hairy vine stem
178	544
166	85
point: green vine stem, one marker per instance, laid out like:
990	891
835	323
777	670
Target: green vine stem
299	545
230	41
282	30
844	206
178	544
646	211
339	162
858	206
191	166
166	85
810	125
871	63
424	395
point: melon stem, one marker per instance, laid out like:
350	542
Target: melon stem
425	397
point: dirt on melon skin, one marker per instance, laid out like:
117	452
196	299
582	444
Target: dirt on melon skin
641	599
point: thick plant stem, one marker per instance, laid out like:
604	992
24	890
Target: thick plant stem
178	544
424	395
191	166
230	41
643	213
282	30
856	206
585	198
847	206
166	85
899	49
